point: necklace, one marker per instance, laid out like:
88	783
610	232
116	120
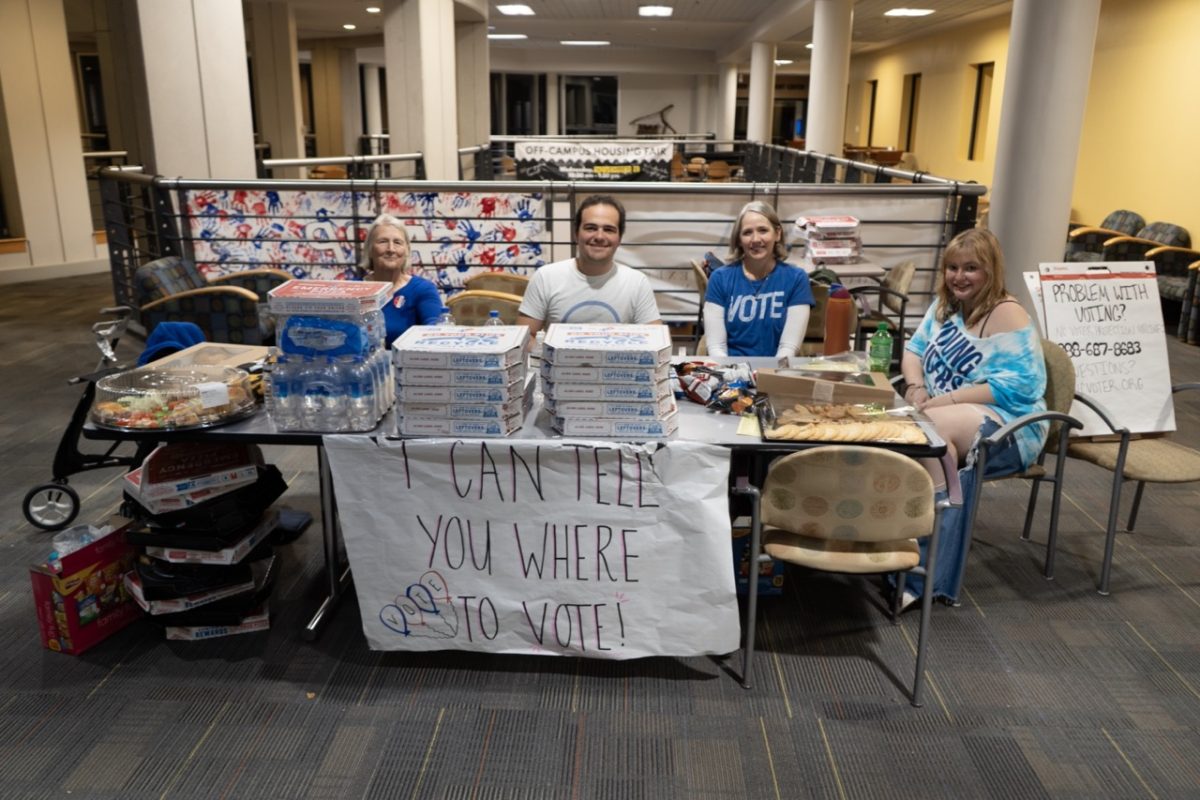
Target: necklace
757	283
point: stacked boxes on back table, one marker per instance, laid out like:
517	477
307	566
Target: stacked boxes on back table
461	381
609	380
831	239
333	373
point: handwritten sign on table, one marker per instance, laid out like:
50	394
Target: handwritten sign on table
1108	319
590	549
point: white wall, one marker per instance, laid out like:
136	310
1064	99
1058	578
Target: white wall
645	94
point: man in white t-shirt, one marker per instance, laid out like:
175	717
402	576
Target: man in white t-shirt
590	287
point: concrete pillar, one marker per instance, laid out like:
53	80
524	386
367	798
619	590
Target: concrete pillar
762	92
197	87
825	128
328	87
418	43
473	84
41	157
552	105
1049	64
702	105
727	80
277	82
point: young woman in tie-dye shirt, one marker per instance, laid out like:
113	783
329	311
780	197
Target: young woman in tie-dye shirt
974	364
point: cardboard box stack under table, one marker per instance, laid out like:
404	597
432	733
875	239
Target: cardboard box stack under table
461	381
204	527
609	380
832	239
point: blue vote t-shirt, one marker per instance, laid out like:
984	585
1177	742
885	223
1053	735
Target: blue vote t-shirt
755	311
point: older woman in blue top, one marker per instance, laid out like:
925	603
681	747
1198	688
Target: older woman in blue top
415	300
759	304
974	364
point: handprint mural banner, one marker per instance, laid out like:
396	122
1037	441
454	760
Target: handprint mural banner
320	234
598	550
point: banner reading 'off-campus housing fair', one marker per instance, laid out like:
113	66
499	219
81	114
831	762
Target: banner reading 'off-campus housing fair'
590	549
607	160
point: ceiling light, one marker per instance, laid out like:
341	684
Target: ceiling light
507	36
584	42
373	9
349	26
908	12
655	11
516	10
782	62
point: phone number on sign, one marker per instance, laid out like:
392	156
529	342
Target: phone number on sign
1077	349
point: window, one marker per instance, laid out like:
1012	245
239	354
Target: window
979	110
872	91
589	104
908	111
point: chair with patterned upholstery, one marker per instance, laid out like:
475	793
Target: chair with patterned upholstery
1167	245
847	509
507	282
891	293
473	307
1086	242
226	308
1172	273
1147	460
1189	315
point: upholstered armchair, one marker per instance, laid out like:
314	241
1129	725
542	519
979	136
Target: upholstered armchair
226	309
1086	242
1135	248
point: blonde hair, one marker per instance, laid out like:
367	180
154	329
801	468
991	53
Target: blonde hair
736	253
983	245
373	233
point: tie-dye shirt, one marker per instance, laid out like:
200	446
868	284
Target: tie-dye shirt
1010	363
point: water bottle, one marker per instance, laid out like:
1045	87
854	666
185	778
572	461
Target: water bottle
285	402
493	319
879	351
312	384
360	379
376	329
839	316
336	414
446	318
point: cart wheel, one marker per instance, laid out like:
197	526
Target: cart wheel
51	506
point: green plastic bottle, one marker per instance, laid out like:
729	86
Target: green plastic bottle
879	350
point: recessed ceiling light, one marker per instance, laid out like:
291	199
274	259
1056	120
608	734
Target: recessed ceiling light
782	62
507	36
350	26
374	9
516	10
655	11
584	42
908	12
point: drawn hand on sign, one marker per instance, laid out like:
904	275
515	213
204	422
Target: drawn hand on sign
423	610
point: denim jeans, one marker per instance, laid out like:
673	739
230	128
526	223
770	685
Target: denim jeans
952	533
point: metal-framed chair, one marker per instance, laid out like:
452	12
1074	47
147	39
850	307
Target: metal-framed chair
847	509
890	306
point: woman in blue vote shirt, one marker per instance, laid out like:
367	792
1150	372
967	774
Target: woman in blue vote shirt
415	300
759	304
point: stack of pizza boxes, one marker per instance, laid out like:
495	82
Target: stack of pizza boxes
832	239
204	528
609	380
461	381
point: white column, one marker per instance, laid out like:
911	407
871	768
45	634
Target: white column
373	99
352	112
702	111
727	80
198	88
1049	63
552	105
824	129
473	84
45	191
762	92
277	82
418	43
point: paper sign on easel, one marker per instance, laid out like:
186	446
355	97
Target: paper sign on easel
1033	283
1108	319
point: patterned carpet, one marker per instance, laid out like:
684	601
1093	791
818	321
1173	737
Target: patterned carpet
1036	688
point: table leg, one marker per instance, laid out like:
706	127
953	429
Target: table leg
337	574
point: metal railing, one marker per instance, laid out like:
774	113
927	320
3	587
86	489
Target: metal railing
357	167
93	162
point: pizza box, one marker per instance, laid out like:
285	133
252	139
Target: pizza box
328	297
257	620
612	409
415	393
602	376
626	392
440	426
568	345
459	347
806	386
213	354
422	376
229	555
619	428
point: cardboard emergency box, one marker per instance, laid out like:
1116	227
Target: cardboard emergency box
85	602
214	354
799	385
